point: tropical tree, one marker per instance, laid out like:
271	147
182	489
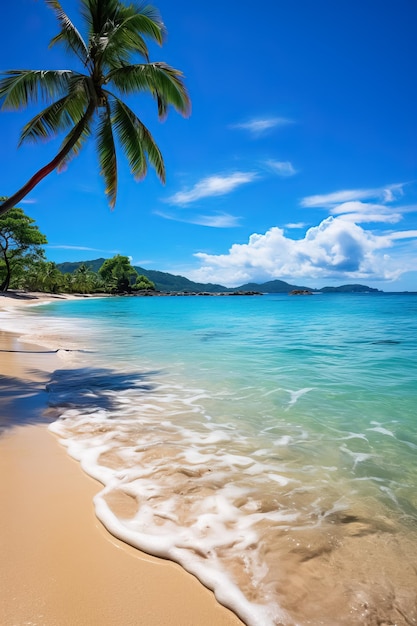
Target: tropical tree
68	283
30	277
51	277
83	279
89	101
118	274
20	244
143	283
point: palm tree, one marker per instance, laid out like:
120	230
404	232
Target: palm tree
90	101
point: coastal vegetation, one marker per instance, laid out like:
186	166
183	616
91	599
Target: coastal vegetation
32	272
89	101
20	246
120	277
23	264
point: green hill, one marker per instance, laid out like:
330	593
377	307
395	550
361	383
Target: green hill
350	289
272	286
171	282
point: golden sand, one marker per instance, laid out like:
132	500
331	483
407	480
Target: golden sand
59	566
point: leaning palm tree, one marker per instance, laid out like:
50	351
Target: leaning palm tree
87	102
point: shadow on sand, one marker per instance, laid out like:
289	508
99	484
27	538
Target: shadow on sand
24	402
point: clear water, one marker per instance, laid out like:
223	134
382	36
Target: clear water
268	444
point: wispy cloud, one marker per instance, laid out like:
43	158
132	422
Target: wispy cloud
69	247
221	220
366	212
405	234
260	126
295	225
218	185
384	194
282	168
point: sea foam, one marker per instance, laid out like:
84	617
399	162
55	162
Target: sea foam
268	476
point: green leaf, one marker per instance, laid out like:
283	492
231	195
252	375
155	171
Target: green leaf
59	116
84	130
107	154
136	142
161	80
18	88
69	35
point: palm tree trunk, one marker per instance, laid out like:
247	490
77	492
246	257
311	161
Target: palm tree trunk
51	166
6	282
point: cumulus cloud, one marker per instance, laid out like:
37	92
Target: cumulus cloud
260	126
335	249
282	168
384	194
218	185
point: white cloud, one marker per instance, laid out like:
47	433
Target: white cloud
385	194
295	225
282	168
220	220
260	126
335	249
406	234
68	247
366	212
218	185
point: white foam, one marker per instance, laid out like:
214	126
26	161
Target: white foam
380	429
296	395
358	457
216	492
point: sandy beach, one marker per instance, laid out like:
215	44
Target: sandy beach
59	565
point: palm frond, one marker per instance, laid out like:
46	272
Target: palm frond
18	88
149	22
136	141
118	45
76	138
102	14
161	80
59	116
135	23
117	31
107	154
97	13
69	35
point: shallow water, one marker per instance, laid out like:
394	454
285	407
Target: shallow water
268	444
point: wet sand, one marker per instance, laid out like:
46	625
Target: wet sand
59	565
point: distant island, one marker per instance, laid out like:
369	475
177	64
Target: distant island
170	283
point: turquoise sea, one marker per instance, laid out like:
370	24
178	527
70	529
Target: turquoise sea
268	444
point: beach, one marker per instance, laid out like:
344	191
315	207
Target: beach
265	450
59	565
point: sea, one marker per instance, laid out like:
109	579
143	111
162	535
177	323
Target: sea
267	444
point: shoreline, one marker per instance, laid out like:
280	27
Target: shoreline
60	566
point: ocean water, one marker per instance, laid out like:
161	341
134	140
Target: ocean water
267	444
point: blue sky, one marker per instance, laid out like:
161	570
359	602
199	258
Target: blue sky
298	162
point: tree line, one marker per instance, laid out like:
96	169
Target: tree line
23	264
